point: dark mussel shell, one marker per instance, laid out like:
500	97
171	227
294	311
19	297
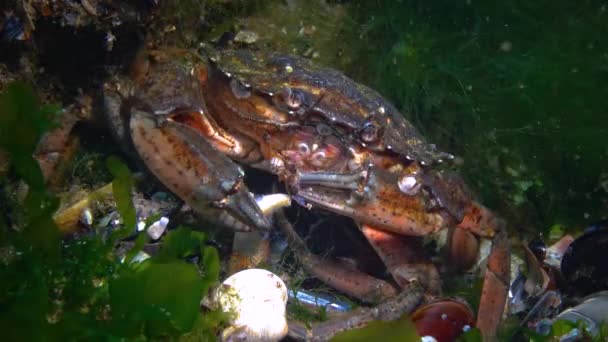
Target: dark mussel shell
12	29
585	263
444	320
538	248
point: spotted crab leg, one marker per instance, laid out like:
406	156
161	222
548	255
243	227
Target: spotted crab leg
391	303
352	282
392	309
404	259
496	278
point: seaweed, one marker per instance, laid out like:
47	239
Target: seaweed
61	288
516	89
121	188
399	330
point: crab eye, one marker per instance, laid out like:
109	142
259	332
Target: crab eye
303	148
318	158
325	156
239	90
370	133
293	98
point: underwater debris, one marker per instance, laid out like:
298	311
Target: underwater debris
443	320
70	215
584	264
256	300
13	29
328	303
592	313
246	37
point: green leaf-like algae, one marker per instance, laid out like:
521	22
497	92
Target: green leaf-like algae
160	298
121	187
392	331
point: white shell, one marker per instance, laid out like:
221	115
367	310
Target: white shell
156	229
272	202
257	299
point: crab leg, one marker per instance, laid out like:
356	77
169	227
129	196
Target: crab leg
392	309
352	282
404	259
496	278
57	147
392	304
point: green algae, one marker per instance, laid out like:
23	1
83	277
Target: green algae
399	330
57	288
516	89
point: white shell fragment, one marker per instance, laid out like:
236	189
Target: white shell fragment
427	339
139	257
257	300
156	229
485	248
86	217
270	203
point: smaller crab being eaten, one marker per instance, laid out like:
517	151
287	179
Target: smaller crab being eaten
335	144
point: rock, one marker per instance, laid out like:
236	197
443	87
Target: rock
246	37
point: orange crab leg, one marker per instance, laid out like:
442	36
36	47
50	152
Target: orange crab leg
347	280
56	148
404	258
496	278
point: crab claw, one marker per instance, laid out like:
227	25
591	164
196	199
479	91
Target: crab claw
190	167
381	205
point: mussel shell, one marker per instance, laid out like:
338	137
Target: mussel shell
444	320
12	29
585	263
538	247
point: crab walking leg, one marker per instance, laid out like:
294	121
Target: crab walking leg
404	258
496	278
357	284
392	309
56	149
